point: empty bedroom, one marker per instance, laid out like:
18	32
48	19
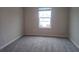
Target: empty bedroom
39	29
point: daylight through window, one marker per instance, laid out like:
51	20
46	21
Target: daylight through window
44	17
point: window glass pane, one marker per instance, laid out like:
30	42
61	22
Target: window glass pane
45	13
45	19
44	24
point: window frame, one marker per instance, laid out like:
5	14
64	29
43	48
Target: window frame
49	9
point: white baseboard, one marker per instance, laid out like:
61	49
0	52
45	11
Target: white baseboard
74	43
10	42
64	36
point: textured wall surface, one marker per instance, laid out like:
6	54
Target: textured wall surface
11	24
74	26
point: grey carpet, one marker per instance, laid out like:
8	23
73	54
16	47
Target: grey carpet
41	44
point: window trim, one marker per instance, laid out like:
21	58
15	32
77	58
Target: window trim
45	17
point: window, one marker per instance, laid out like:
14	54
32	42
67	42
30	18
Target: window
44	17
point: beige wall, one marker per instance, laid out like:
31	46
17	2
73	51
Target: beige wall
11	24
59	22
74	26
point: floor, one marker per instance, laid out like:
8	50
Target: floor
41	44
